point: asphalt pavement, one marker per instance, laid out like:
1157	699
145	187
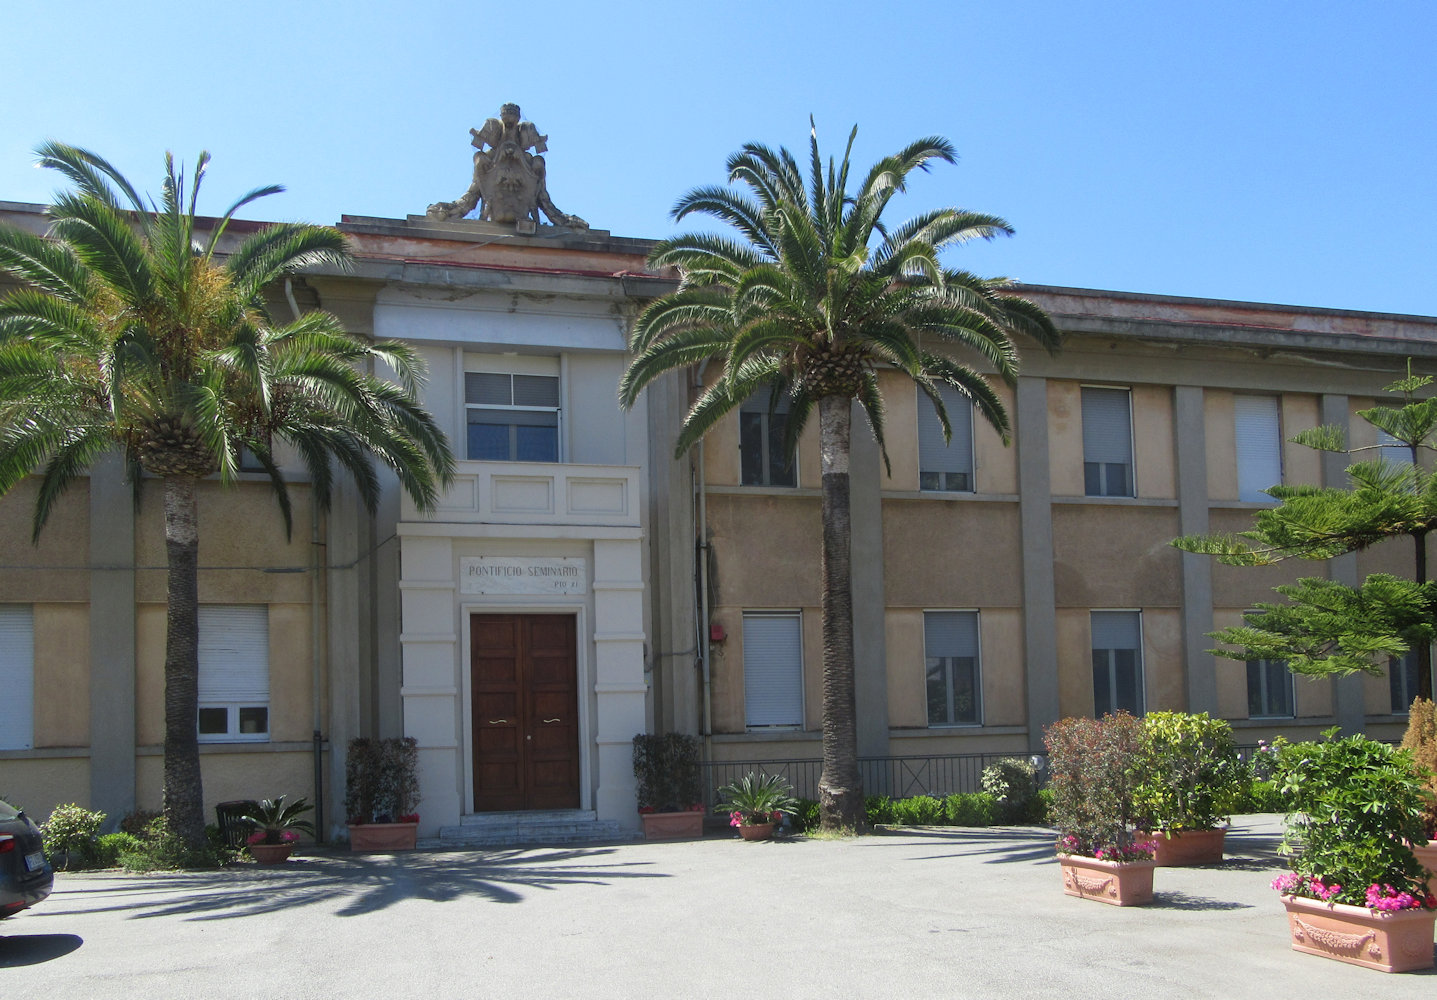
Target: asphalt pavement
907	913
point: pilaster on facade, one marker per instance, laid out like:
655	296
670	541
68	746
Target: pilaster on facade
1197	620
1035	512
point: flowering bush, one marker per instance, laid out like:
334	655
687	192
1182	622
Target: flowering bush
259	837
1139	851
1355	804
1377	897
756	798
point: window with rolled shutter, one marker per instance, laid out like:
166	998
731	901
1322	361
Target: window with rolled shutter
1259	446
946	466
950	649
772	670
17	677
1117	662
1107	442
234	673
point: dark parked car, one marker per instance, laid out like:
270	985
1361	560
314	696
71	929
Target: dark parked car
25	876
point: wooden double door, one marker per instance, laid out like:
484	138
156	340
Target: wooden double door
525	711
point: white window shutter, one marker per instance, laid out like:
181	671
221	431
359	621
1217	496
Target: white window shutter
234	654
772	670
1107	426
1116	630
17	677
1259	446
956	455
950	633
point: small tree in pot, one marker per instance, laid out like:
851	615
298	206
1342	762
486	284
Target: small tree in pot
1191	776
667	769
382	793
1092	765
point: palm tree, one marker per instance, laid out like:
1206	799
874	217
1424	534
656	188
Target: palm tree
809	303
133	331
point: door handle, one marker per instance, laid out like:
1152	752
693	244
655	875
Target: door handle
553	720
497	722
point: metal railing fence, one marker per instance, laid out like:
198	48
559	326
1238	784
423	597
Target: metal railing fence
898	777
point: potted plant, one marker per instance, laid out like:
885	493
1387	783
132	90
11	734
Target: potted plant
1191	776
755	803
1421	740
1356	893
381	793
1092	768
277	827
667	769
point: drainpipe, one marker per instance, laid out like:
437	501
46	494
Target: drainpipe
316	642
703	558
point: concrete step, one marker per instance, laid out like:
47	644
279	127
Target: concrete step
519	829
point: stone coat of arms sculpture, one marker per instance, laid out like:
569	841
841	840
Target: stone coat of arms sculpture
509	180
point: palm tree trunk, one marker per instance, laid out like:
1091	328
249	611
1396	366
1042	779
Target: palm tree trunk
1424	650
840	787
183	794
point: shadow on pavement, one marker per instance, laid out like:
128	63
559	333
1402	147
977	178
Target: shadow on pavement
995	845
32	949
362	884
1166	900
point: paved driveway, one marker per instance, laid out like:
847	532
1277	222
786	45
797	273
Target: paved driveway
940	913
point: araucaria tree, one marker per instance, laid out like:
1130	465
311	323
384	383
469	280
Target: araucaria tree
132	331
814	297
1328	627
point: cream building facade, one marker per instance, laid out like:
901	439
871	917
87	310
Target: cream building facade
578	584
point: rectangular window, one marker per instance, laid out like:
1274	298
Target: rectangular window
761	429
950	649
1107	442
1269	690
512	418
1117	662
772	670
1259	446
17	677
234	673
945	466
1403	681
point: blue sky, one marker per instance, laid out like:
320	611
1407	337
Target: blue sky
1266	151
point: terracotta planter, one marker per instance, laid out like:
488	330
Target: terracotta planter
1396	941
270	854
383	836
756	831
686	825
1427	857
1185	847
1121	883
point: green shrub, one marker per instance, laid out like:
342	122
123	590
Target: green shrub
109	847
1261	797
1192	776
70	834
920	810
1353	805
805	816
878	809
1042	810
158	848
1013	783
971	809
